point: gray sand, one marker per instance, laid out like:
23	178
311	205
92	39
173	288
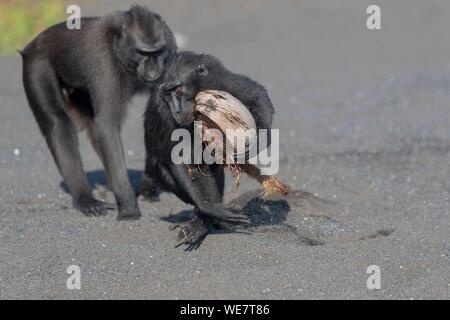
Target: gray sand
364	127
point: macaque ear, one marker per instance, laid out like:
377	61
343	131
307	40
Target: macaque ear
124	25
201	70
158	17
126	22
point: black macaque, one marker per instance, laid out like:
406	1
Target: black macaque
186	75
83	79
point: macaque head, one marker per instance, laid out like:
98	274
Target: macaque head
180	100
144	43
187	74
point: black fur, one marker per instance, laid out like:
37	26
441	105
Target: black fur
195	72
186	75
83	79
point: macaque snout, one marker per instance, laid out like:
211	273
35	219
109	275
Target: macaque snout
181	107
151	68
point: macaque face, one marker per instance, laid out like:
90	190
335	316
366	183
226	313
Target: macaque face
181	85
180	99
143	40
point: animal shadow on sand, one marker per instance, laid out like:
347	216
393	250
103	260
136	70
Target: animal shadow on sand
260	211
300	217
267	215
99	182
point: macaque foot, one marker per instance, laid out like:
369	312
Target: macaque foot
129	214
92	207
191	233
147	190
149	197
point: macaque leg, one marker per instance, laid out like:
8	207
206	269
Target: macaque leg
51	112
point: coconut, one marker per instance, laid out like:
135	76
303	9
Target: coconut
218	112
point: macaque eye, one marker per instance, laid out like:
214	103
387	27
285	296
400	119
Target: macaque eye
124	28
169	88
201	70
179	91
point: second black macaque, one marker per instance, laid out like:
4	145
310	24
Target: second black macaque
172	107
84	79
